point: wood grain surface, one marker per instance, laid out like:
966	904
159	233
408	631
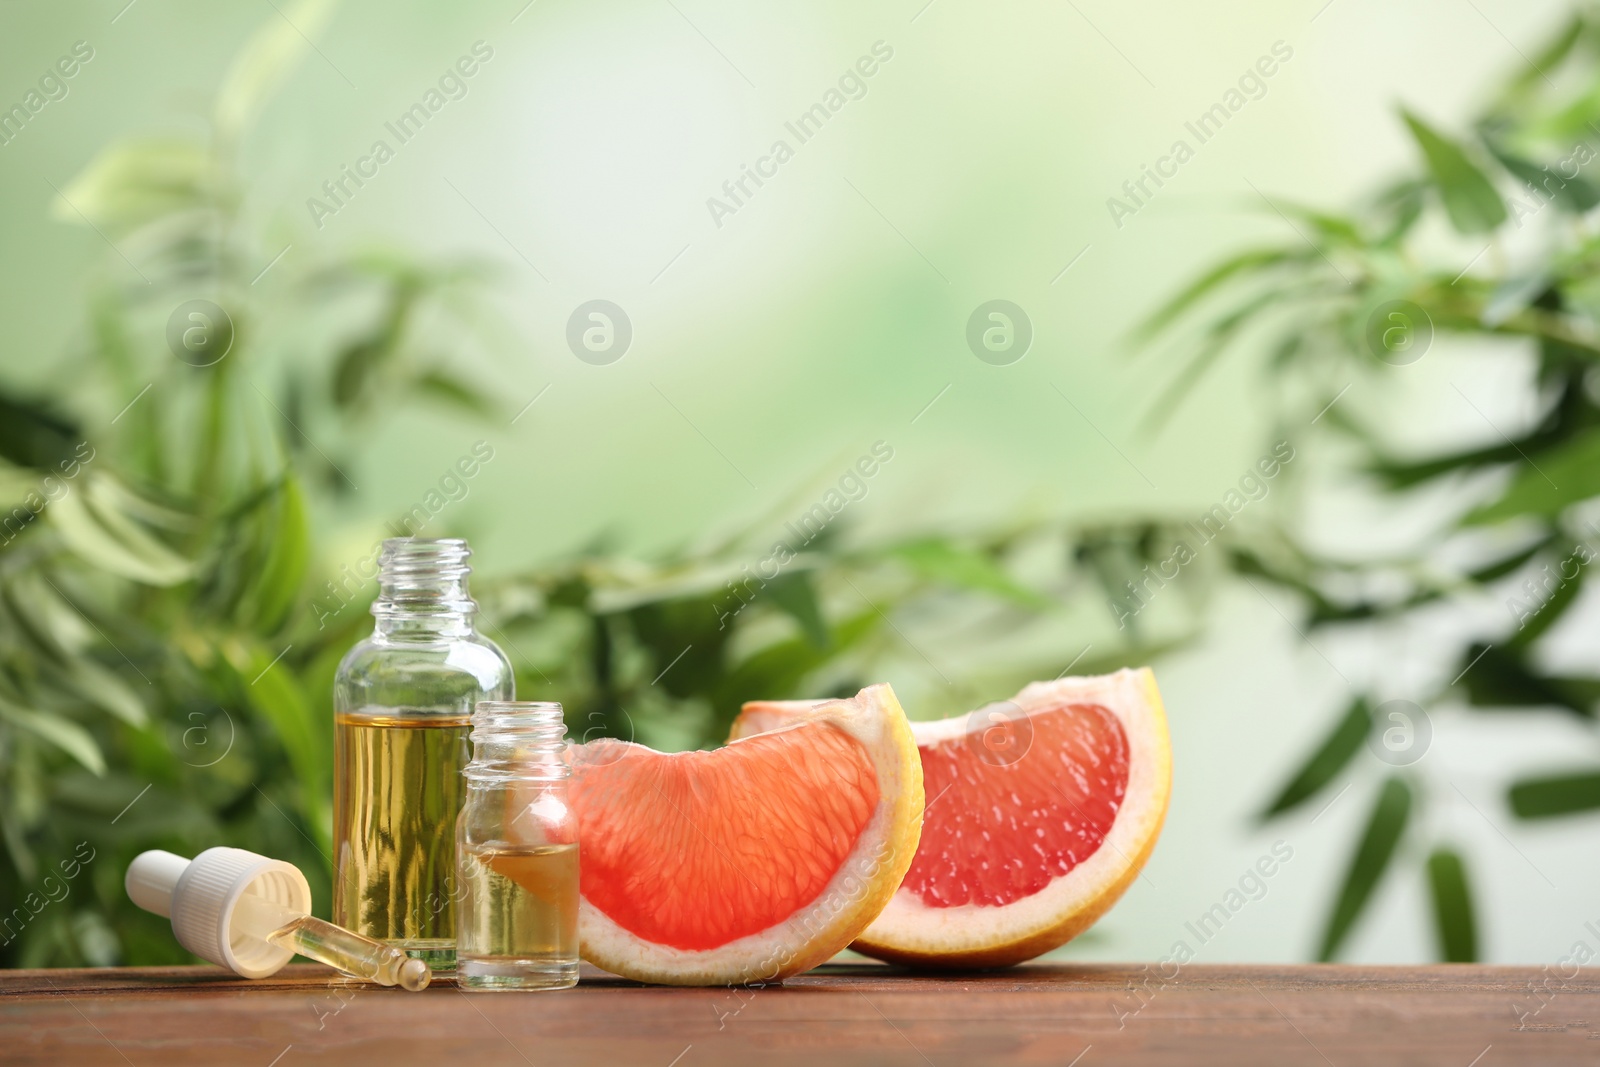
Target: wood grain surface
837	1016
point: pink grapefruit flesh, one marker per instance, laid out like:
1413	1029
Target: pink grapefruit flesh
750	862
1041	811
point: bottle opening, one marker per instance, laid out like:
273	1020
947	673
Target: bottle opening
414	554
419	579
515	738
406	562
523	720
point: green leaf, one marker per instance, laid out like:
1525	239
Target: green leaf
1396	474
1469	199
269	684
357	368
33	435
797	597
1563	476
135	182
1385	826
56	628
1246	262
1557	794
289	552
1284	352
1086	666
1323	610
1498	676
1335	228
1573	195
1402	204
1219	333
1330	757
59	636
1547	605
1537	69
17	485
356	365
686	636
950	564
65	734
103	688
1509	564
265	61
776	671
111	494
1514	296
1453	919
455	393
108	539
12	829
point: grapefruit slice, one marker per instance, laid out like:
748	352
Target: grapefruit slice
1041	811
751	862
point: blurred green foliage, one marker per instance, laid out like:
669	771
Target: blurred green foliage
169	628
165	667
1489	235
159	683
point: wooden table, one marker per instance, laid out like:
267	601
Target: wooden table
836	1016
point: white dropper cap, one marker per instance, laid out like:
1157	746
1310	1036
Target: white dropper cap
199	896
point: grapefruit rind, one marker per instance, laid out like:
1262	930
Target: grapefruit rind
976	936
859	889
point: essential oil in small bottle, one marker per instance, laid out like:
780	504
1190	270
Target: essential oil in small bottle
403	700
517	847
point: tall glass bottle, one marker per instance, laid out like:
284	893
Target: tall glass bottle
403	703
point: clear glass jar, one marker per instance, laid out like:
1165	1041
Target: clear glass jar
403	703
517	846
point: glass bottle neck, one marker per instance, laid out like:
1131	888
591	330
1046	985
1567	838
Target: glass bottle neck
422	591
517	741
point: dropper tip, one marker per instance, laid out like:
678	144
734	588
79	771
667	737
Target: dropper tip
414	975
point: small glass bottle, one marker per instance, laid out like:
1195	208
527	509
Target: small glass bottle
403	703
517	846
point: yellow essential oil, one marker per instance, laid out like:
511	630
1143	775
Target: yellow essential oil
402	700
517	848
361	957
397	791
519	918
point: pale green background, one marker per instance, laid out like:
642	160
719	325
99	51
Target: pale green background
806	327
